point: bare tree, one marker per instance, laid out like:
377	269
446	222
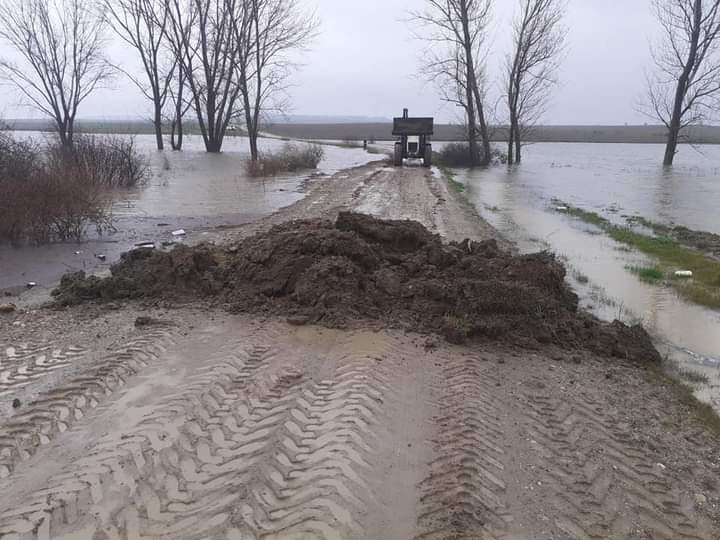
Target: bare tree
455	61
203	35
538	38
685	86
142	25
271	30
180	106
60	45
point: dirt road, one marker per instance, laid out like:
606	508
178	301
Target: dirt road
203	424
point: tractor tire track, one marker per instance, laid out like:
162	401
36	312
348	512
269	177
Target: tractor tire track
56	410
246	450
25	363
598	475
266	431
463	494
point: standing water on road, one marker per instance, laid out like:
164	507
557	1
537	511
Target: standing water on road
190	190
616	181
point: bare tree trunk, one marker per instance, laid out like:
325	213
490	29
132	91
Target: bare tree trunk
511	142
472	126
671	145
471	86
484	135
176	132
677	111
158	128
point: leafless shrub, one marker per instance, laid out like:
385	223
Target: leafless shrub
58	193
113	162
291	158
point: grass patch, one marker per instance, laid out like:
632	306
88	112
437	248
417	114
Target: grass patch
588	217
703	288
452	181
649	274
685	397
693	376
456	329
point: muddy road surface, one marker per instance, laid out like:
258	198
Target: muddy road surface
192	423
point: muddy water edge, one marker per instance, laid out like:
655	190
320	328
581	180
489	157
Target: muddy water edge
616	182
191	190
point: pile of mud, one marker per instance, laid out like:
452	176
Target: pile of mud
361	268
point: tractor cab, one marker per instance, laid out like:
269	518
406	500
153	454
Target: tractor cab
413	139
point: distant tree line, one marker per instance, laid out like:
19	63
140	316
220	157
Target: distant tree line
226	61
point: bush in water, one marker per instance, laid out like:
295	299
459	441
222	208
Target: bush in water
57	193
110	161
458	155
291	158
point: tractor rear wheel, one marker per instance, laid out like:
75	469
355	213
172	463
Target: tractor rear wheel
398	161
427	159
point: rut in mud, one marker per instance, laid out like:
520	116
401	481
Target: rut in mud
363	268
267	431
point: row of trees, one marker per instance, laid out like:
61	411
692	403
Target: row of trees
227	61
457	33
683	88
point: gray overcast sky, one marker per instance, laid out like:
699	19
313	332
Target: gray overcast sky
364	62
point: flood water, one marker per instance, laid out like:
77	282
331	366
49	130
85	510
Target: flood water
615	180
193	183
190	190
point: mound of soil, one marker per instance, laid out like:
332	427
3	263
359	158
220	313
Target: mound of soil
361	268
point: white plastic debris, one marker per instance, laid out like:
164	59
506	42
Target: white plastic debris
179	232
561	208
101	257
31	284
145	245
684	273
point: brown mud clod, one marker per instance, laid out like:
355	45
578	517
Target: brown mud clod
360	268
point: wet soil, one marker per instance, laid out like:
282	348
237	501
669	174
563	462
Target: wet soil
361	268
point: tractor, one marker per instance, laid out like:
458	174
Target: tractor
420	129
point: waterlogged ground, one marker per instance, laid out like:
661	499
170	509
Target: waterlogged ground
190	190
616	181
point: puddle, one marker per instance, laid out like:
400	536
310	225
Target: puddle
605	178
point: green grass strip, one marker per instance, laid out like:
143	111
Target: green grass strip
703	288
